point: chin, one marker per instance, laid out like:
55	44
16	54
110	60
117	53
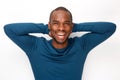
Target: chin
61	41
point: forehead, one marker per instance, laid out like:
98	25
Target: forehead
61	14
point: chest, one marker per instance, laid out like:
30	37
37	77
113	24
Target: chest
45	60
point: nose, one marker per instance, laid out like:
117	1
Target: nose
61	27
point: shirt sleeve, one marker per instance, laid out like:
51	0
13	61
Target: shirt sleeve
97	33
19	33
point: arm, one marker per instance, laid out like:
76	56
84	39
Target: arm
19	33
98	32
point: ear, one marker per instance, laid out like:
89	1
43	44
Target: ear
49	29
72	27
49	25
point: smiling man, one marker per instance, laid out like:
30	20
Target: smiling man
60	26
61	58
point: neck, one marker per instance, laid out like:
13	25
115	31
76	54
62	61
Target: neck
59	45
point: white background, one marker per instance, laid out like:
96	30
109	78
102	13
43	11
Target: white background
103	62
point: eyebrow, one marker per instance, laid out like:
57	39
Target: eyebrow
58	21
68	21
55	21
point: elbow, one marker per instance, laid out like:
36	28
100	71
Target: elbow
109	27
7	28
112	27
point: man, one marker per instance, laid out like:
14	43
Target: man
61	58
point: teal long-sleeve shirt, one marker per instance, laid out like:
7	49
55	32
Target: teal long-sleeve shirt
49	63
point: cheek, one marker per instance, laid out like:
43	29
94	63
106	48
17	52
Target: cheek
53	31
54	28
69	30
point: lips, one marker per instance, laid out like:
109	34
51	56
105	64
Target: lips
61	35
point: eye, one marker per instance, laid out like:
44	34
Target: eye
67	23
55	23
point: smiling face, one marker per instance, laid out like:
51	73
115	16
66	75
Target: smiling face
60	26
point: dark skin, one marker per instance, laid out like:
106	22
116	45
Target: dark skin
60	26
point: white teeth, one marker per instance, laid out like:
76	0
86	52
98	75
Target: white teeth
61	34
61	37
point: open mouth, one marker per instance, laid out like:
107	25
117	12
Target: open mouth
61	35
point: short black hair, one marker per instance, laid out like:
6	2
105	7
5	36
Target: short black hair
61	8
